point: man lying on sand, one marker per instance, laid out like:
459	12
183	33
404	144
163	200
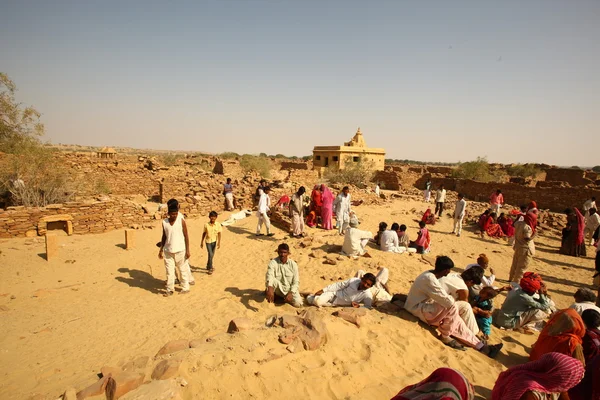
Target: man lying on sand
351	292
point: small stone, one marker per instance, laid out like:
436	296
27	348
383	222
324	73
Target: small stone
166	369
173	347
239	324
4	308
70	394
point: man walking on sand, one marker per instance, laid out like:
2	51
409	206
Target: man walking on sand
440	199
228	192
175	248
459	214
342	210
264	204
496	201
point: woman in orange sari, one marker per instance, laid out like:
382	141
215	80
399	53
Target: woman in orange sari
428	217
562	334
491	227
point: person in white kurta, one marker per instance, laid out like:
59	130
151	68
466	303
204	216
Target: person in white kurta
174	248
351	292
264	205
355	240
342	208
584	300
459	214
592	223
589	204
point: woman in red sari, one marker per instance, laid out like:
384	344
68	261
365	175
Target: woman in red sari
316	202
573	243
506	223
428	217
491	227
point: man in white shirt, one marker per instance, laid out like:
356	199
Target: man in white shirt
390	242
589	204
584	300
428	301
342	208
264	204
283	279
457	286
459	214
440	199
591	224
355	240
350	292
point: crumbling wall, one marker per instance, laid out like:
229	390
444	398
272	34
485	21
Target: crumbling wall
575	177
387	179
294	165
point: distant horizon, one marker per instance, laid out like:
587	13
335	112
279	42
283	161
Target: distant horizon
513	82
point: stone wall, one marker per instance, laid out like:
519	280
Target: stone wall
294	165
575	177
387	179
552	198
86	217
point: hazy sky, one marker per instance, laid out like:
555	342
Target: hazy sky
516	81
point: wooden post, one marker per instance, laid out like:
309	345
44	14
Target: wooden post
51	247
129	239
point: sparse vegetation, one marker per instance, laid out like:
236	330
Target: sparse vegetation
523	170
229	155
32	176
307	158
170	159
258	164
102	187
596	168
358	174
478	170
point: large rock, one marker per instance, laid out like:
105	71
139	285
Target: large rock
239	324
311	331
94	389
156	390
166	369
107	370
173	347
127	381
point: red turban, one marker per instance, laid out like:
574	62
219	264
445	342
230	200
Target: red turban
531	282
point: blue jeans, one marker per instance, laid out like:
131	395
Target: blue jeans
211	248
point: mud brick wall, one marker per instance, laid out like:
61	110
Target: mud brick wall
553	198
88	217
293	165
387	179
575	177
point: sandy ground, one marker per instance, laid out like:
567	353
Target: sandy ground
98	304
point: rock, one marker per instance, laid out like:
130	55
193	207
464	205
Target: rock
184	324
173	347
239	324
318	253
106	371
95	389
31	233
127	381
70	394
312	332
166	369
287	321
330	261
197	343
4	308
156	390
351	315
138	363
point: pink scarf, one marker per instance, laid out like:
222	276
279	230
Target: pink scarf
580	227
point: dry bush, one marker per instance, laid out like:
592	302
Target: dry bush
523	170
478	170
170	160
258	164
358	174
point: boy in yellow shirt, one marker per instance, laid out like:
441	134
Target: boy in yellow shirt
212	236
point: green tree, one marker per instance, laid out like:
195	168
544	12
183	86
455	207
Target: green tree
478	170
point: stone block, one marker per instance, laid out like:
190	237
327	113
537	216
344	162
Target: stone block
166	369
239	324
51	247
174	346
129	238
168	389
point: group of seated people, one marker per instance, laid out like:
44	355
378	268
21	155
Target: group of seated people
396	239
500	226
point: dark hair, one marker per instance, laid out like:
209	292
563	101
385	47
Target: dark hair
301	190
523	208
213	214
172	205
592	211
490	290
441	186
591	318
369	277
487	211
593	198
473	274
402	228
395	226
498	191
283	246
228	179
586	294
345	188
267	189
382	226
461	195
568	211
493	214
422	224
443	263
263	181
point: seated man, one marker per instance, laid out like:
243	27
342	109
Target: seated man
591	340
457	286
350	292
428	301
380	291
283	279
355	240
584	299
522	309
389	240
404	240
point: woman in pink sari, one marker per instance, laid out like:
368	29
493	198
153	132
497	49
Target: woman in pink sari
326	207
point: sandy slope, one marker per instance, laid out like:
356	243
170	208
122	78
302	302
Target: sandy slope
68	319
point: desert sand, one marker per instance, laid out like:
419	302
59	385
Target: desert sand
98	304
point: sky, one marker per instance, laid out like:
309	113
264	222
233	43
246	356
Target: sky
514	81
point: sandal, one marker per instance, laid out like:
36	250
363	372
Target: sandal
455	345
168	293
494	350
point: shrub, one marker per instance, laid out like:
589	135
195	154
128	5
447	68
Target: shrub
170	160
596	168
478	170
358	174
229	155
102	187
523	170
257	164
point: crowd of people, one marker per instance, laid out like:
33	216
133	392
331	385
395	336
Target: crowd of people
565	360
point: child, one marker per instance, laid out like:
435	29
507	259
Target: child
423	239
382	228
175	248
212	236
482	308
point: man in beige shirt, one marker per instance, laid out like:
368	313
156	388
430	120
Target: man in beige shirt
524	251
